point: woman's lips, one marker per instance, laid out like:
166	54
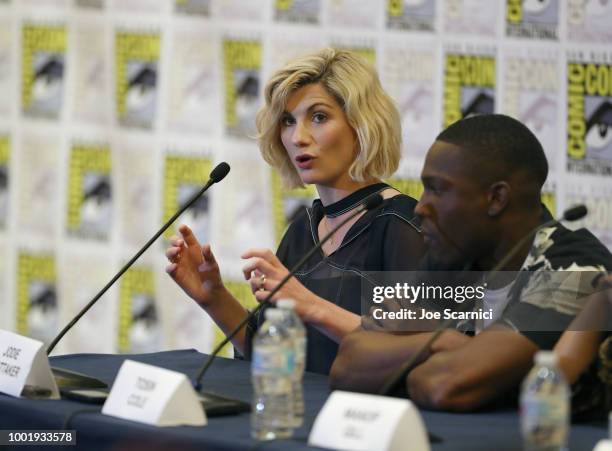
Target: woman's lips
304	161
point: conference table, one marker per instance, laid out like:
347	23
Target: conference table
487	430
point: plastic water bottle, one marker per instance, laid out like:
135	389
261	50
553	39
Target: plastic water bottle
545	406
297	331
271	372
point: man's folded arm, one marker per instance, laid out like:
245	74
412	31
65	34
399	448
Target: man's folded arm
367	358
468	377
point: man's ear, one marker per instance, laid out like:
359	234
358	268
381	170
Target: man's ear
498	197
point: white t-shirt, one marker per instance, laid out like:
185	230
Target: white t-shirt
496	301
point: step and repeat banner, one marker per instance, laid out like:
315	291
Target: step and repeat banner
112	113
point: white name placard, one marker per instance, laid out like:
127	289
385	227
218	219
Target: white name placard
603	445
24	368
153	395
355	421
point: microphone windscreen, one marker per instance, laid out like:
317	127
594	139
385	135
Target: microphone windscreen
219	172
373	201
575	213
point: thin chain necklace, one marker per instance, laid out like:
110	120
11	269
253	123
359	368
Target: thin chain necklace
328	230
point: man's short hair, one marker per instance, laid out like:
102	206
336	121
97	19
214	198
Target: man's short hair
354	84
503	144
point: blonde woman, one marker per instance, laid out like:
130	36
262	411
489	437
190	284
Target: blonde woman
327	122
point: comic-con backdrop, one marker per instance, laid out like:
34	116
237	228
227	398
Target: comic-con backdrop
112	113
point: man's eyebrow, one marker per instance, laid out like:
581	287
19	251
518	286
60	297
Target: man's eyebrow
434	178
428	178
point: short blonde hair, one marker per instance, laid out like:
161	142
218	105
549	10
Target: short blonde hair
355	86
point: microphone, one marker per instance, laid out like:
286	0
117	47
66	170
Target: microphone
216	175
371	202
575	213
393	382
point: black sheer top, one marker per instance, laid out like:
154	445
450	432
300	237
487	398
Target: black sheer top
384	239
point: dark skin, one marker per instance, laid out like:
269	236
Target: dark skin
466	218
579	344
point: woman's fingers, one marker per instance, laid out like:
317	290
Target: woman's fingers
264	253
256	284
172	252
188	236
208	254
261	295
263	261
176	241
259	264
260	282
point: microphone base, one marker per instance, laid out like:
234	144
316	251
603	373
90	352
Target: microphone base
71	379
214	405
73	385
217	405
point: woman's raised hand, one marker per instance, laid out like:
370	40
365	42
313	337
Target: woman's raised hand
264	271
193	267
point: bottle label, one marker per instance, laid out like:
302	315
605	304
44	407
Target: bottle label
545	420
300	350
273	361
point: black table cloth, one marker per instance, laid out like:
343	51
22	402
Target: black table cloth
497	430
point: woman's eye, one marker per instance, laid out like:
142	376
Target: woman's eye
286	121
319	117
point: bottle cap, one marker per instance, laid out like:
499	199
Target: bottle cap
546	358
286	304
274	314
